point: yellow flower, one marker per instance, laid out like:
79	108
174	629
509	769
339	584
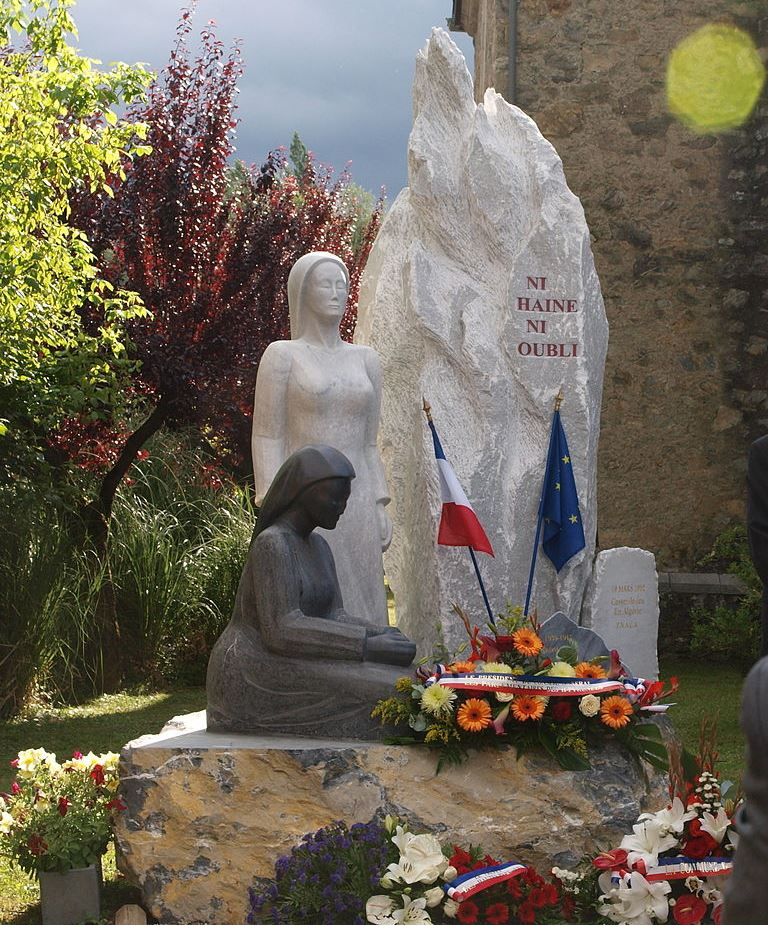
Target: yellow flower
615	711
496	668
526	706
526	642
438	700
29	761
474	715
561	670
403	685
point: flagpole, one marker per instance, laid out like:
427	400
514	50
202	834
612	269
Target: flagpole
427	408
558	401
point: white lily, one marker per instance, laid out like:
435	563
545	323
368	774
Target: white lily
634	901
378	910
421	858
716	826
672	818
414	912
646	842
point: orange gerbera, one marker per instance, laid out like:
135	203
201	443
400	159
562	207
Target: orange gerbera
526	706
474	715
461	667
615	711
588	670
526	642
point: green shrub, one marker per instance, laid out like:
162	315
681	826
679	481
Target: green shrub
176	549
730	634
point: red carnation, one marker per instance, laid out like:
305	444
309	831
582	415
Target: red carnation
562	711
63	806
526	914
497	914
551	894
537	898
514	889
117	804
689	910
568	907
460	859
468	912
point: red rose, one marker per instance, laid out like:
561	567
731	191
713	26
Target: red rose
610	860
77	755
526	914
562	711
689	910
497	914
63	806
467	912
700	846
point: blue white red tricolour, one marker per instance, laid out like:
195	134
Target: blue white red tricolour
459	525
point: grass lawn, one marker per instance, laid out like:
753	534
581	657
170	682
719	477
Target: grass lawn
107	723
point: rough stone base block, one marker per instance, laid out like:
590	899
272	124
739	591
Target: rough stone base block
207	813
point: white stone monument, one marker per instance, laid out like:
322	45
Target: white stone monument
622	606
481	294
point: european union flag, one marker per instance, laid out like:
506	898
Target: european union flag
563	530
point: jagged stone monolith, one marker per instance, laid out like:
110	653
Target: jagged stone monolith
481	294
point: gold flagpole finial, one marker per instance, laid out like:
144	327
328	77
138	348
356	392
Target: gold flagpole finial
427	408
559	399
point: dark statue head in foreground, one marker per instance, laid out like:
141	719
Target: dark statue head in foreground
292	660
746	891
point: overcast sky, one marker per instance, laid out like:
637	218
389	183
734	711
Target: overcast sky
338	72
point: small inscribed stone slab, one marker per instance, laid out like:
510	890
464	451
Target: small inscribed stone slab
622	604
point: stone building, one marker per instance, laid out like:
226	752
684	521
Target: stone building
679	236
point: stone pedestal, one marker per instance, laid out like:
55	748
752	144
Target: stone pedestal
207	813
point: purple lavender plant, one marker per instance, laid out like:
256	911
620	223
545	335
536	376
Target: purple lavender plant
327	878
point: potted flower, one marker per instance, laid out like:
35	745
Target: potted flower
55	824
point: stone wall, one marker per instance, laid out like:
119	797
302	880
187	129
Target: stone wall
678	222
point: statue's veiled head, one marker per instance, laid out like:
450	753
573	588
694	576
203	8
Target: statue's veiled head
317	284
317	477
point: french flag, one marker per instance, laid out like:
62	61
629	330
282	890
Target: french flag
459	525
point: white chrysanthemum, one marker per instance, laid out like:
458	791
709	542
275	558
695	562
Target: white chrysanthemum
438	700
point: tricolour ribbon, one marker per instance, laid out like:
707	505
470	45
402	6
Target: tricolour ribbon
538	685
461	888
678	868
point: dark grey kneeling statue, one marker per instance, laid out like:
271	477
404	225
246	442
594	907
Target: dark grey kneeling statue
746	891
292	660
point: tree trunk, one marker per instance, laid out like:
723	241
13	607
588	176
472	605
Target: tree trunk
105	657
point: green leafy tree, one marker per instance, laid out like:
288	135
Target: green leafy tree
58	132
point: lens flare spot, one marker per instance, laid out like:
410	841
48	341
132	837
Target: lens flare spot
714	79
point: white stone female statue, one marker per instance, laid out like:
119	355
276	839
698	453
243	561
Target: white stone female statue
315	388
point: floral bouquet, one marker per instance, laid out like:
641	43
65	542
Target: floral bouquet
506	691
384	874
58	817
672	865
